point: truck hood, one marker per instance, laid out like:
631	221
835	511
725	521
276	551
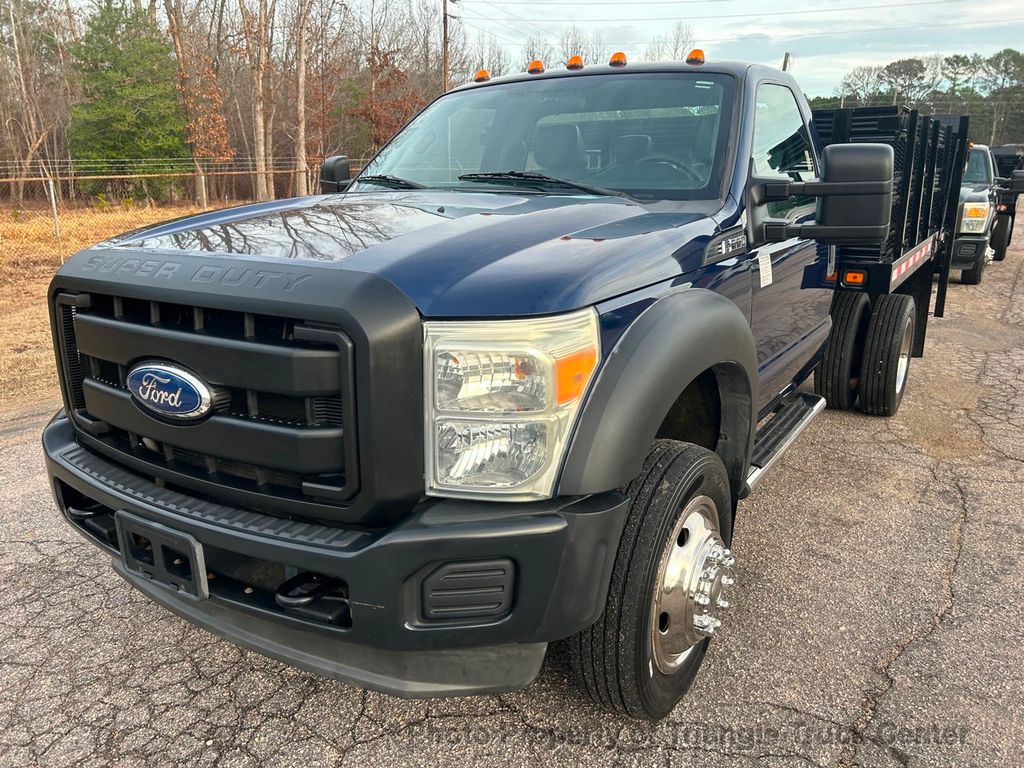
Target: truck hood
456	253
974	192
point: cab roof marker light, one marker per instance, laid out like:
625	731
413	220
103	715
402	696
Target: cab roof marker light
481	76
695	57
618	59
574	62
536	67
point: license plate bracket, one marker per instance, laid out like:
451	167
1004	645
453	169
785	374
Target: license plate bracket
161	554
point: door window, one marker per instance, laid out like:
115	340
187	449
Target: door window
781	146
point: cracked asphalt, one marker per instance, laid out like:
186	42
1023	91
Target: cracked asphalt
878	617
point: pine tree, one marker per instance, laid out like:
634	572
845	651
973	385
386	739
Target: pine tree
130	107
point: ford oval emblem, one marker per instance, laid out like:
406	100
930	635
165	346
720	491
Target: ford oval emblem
169	391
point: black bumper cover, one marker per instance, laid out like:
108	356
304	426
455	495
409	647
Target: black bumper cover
968	251
563	550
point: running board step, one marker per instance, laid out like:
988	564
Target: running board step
775	436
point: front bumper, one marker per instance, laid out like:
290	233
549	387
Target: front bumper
561	554
969	250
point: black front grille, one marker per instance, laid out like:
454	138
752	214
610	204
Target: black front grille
283	423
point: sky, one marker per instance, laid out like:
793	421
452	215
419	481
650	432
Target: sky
826	38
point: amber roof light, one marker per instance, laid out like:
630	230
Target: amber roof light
535	67
618	59
574	62
696	56
481	76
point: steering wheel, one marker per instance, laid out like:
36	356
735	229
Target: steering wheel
678	167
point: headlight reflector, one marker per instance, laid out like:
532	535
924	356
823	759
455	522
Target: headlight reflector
502	397
975	218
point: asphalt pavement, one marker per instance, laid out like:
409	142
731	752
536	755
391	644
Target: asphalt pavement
878	616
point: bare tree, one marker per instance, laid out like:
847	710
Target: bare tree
860	83
300	24
575	41
673	46
537	49
257	32
489	54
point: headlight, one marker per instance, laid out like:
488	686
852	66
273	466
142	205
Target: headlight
502	397
975	218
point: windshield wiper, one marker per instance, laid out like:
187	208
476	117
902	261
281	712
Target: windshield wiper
527	178
387	180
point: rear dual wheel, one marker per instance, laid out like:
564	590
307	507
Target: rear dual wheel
837	376
887	353
868	353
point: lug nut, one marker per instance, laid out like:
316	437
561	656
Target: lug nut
723	603
702	599
728	581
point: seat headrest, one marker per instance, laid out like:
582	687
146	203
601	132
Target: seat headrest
632	147
559	145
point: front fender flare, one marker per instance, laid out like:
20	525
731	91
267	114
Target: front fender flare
665	349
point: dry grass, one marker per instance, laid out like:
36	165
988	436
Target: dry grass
30	253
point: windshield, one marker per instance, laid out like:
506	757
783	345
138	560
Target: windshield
649	135
979	170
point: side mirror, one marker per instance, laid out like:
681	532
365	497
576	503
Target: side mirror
334	175
855	197
1014	184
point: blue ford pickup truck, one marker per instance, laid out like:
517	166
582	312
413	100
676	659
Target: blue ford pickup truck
507	386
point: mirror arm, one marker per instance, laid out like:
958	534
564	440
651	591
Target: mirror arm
769	191
776	231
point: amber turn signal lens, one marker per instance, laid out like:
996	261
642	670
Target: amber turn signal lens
574	62
572	373
855	277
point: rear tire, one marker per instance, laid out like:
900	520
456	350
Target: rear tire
887	353
615	661
837	376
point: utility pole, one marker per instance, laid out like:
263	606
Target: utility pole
444	44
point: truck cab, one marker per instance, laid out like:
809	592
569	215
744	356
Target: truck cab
504	388
973	248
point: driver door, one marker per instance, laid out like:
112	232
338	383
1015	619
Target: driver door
790	321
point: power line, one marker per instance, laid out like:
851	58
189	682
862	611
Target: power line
961	24
618	3
502	40
517	17
741	15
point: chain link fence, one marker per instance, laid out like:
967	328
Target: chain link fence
53	212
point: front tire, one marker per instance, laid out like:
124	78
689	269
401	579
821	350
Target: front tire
973	275
670	570
887	353
1000	238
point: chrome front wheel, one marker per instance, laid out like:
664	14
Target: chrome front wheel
694	571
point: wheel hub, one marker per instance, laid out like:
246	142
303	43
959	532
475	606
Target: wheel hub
694	571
